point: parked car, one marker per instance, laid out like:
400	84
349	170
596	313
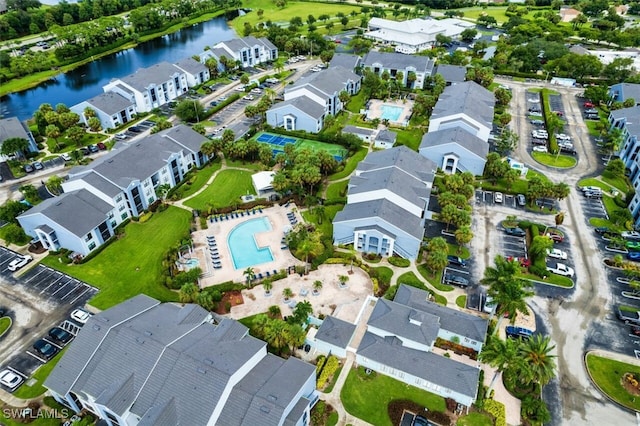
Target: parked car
248	98
135	129
28	168
521	200
60	335
591	111
589	104
524	262
537	122
590	189
539	141
634	256
628	316
557	254
518	232
514	332
540	148
497	197
489	307
635	330
45	349
213	103
80	316
66	156
10	379
93	148
567	150
19	262
256	90
563	137
590	194
602	230
555	236
635	235
101	146
633	245
120	136
457	280
421	421
562	269
85	151
37	165
457	261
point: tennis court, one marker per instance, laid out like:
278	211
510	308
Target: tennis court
277	143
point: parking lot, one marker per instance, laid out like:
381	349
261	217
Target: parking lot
36	300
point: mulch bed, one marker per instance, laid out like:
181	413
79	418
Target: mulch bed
233	298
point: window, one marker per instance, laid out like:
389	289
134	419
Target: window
122	207
118	198
123	216
113	224
92	246
88	237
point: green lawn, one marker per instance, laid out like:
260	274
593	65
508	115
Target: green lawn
367	396
337	190
552	279
5	324
554	160
461	301
475	12
356	103
301	9
608	376
434	280
243	164
326	227
384	273
475	419
606	183
225	190
132	264
621	183
592	125
351	164
25	391
409	137
199	179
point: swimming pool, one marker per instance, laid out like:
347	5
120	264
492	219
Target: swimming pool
192	263
243	246
390	112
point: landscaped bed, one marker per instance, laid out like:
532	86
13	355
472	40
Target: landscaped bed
132	264
554	160
614	380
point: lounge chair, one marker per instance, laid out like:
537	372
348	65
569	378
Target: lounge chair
217	266
259	275
268	274
226	216
260	210
275	272
283	247
211	219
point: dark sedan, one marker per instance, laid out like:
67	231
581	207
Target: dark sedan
45	349
518	232
456	280
60	335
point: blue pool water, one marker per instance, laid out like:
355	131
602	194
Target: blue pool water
242	243
390	112
192	263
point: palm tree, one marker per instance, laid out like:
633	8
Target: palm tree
296	335
343	280
507	290
500	354
463	236
260	324
250	274
309	247
274	311
317	286
540	363
301	312
276	334
287	293
267	286
188	293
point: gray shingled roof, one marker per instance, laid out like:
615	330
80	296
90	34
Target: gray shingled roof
403	321
403	158
170	365
328	81
296	412
433	368
12	128
357	130
458	322
335	331
456	135
345	60
394	180
155	74
466	98
630	91
100	183
632	118
64	209
238	44
451	73
304	104
380	212
386	135
139	160
191	66
262	396
398	61
110	102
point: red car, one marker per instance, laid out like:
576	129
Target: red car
556	237
558	113
101	146
589	104
525	263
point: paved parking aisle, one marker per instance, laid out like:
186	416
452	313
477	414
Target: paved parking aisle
55	285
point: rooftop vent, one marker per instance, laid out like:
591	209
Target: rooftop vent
265	409
272	397
96	327
139	340
148	333
202	371
208	361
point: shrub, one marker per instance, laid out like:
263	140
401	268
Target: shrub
497	410
320	363
399	262
330	367
145	217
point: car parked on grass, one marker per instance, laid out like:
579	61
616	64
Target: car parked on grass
562	269
45	349
19	262
518	232
514	332
457	261
60	335
10	379
456	280
557	254
80	316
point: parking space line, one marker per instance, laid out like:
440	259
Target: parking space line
80	295
35	275
637	353
457	270
52	283
51	341
60	288
37	357
17	372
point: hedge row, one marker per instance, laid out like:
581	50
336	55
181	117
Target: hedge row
330	367
399	262
497	410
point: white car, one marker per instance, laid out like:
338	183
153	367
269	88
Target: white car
497	197
256	90
562	269
540	148
80	316
557	254
631	234
248	98
10	379
590	188
19	262
563	137
66	156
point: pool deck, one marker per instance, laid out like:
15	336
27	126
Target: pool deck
282	258
375	110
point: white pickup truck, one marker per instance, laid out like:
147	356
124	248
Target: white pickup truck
562	269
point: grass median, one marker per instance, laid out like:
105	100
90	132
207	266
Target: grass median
554	160
609	377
